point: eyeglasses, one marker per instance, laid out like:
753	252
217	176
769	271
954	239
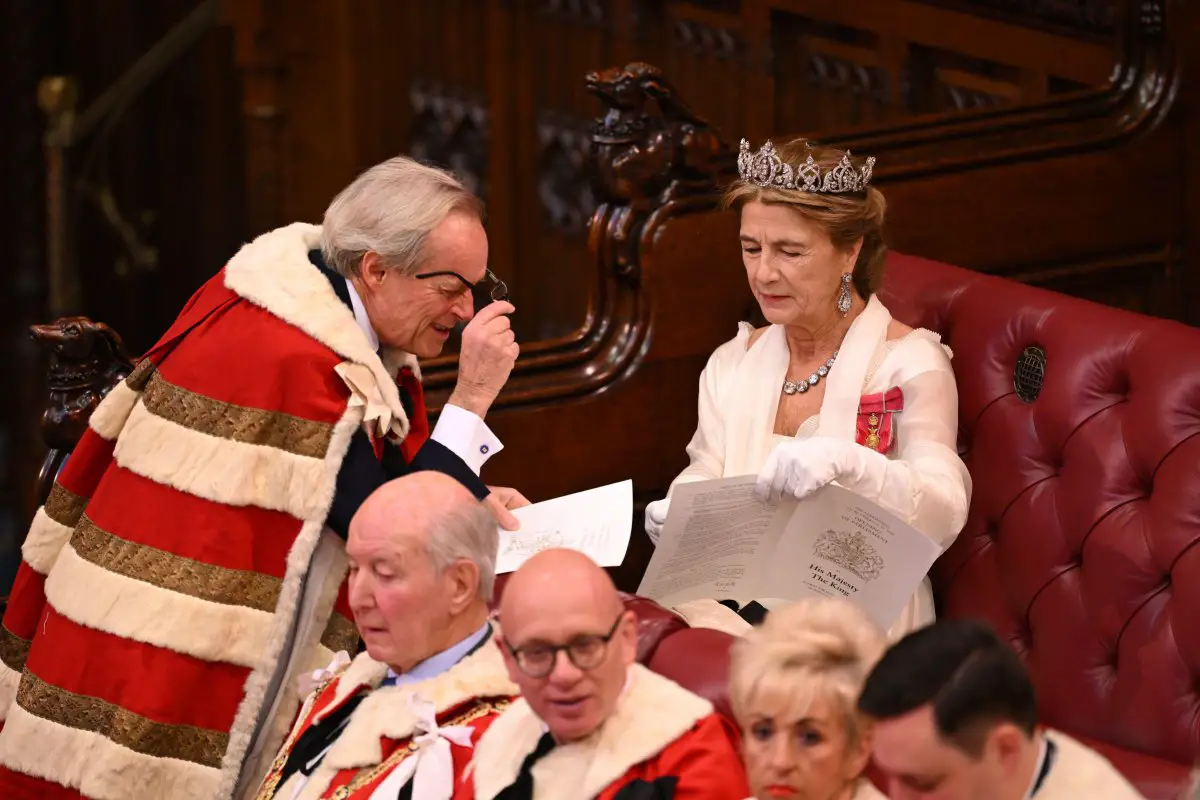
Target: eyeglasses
586	652
489	286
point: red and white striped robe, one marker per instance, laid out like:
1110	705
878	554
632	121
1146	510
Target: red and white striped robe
181	575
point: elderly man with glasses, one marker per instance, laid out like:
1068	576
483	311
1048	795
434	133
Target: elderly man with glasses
591	723
189	562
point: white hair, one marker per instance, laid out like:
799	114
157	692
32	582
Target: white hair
469	532
810	648
390	209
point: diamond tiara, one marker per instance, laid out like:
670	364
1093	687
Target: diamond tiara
765	168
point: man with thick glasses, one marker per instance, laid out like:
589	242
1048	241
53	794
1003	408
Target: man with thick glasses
591	723
406	712
189	560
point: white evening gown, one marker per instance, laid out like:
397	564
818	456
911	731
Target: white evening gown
739	398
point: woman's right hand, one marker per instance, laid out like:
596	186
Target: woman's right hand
656	515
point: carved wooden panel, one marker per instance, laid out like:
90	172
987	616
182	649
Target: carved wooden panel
450	129
1078	17
491	89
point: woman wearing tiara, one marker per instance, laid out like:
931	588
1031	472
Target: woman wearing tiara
833	389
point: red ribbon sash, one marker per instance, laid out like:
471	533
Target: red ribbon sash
875	428
418	423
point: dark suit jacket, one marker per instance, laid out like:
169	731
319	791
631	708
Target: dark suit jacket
362	473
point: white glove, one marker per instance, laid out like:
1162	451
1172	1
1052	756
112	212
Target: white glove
800	467
929	488
656	515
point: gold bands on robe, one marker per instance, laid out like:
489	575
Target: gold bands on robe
138	733
13	649
137	379
302	437
340	634
178	574
64	507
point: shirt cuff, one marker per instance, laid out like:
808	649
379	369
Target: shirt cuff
466	435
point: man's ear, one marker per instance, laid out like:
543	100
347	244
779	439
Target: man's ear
628	634
1005	744
462	576
371	270
510	663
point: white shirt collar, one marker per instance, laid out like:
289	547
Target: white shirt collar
441	662
1037	768
360	316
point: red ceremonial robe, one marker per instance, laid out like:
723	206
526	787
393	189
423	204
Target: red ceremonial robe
661	742
386	731
181	575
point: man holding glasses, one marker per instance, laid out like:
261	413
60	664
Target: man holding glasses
591	723
189	562
412	266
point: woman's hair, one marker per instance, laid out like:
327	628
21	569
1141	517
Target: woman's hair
845	217
391	208
809	649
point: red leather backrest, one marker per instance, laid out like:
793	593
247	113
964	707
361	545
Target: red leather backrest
697	659
1086	503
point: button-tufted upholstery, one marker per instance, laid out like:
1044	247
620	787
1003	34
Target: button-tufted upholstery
1079	546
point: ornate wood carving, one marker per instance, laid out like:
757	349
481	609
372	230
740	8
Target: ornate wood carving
704	40
564	179
1088	16
644	160
647	167
829	71
86	360
450	129
1134	103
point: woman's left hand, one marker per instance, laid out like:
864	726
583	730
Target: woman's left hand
501	501
798	468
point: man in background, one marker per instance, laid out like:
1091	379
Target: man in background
590	721
189	561
956	719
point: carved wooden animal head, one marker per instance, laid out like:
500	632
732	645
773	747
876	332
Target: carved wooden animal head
87	359
626	87
77	339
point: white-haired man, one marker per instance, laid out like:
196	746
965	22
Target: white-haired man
408	711
189	561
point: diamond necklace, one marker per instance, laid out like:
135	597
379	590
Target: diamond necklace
802	386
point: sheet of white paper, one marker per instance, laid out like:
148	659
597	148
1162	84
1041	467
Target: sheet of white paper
596	522
712	542
720	542
839	544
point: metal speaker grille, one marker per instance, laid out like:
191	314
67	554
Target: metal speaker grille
1029	373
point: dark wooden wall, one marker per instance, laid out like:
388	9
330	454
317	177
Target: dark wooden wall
174	164
1041	139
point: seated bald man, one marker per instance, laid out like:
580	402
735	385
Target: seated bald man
422	553
591	723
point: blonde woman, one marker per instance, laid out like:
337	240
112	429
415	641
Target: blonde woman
794	685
